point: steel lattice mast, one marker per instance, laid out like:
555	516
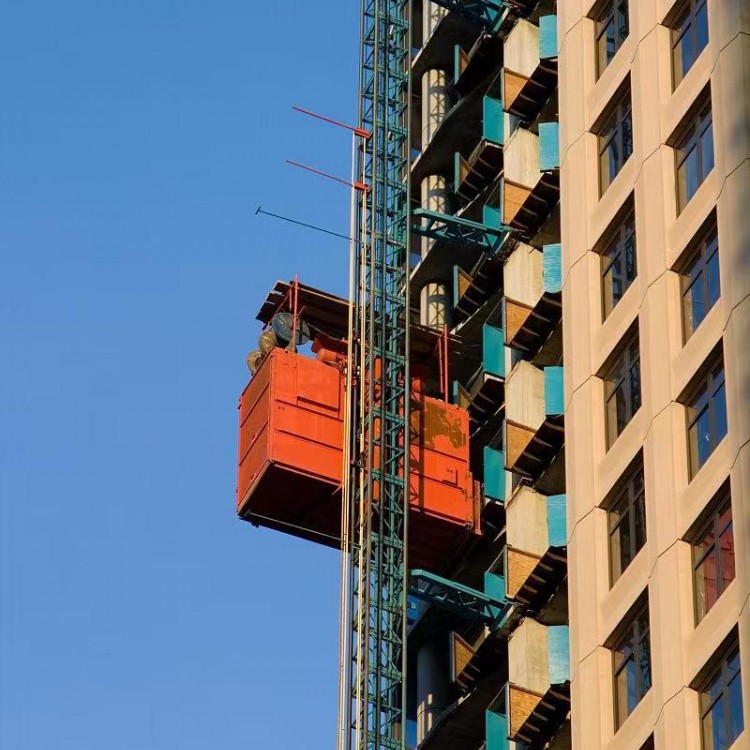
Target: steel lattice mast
372	709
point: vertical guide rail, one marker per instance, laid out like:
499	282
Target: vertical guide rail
372	707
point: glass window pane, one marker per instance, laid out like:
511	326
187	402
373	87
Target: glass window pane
707	150
726	545
645	668
631	265
622	20
701	28
614	159
714	727
640	523
611	40
621	696
697	294
692	173
627	136
736	722
686	53
706	582
720	415
604	170
635	389
713	281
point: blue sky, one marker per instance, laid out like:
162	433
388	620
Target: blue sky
137	138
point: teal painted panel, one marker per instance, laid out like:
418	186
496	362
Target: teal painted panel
549	146
492	119
554	399
492	217
494	474
496	731
455	285
494	586
547	37
493	350
557	522
454	392
457	62
552	268
559	654
456	171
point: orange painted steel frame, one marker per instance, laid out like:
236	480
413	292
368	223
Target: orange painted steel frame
290	459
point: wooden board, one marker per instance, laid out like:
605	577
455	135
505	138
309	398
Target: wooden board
512	88
522	704
516	440
514	196
520	567
516	316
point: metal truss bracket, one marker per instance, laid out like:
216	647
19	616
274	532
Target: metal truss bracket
487	13
466	602
462	231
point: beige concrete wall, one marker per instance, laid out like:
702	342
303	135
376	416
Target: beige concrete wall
680	649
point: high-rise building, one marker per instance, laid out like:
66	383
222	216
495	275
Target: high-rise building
655	191
551	261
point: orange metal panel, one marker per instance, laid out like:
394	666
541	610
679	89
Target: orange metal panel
290	459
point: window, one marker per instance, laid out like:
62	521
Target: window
648	744
611	32
713	557
615	141
689	37
700	280
632	664
721	702
694	155
622	390
619	266
626	513
707	416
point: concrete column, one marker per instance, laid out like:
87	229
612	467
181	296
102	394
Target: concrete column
432	14
436	101
435	306
432	686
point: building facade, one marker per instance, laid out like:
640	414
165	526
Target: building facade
655	188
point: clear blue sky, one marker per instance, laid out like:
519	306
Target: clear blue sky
137	138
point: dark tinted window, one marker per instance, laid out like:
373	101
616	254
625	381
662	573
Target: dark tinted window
721	703
707	416
701	287
615	138
619	264
622	390
713	557
612	30
627	521
694	156
689	37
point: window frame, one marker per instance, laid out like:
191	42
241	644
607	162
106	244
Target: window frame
618	111
623	354
607	12
628	494
709	380
703	249
688	139
687	13
631	636
618	238
715	524
720	669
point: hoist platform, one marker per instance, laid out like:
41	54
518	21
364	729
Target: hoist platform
291	437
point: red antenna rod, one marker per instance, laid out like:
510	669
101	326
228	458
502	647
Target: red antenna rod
357	131
356	185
